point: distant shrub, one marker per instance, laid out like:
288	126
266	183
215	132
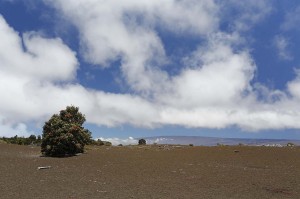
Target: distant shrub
120	145
64	135
106	143
142	142
32	138
99	142
191	145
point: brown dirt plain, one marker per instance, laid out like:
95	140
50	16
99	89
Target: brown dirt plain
152	172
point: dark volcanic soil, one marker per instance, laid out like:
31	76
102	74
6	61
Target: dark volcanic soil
152	172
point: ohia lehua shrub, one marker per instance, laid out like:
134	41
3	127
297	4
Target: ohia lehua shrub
64	134
142	142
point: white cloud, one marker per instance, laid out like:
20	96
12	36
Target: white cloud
160	140
117	141
19	129
42	58
294	86
213	88
36	82
220	79
125	30
31	61
282	44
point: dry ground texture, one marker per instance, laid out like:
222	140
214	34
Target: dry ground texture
152	172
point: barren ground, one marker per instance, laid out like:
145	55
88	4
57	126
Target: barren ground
152	172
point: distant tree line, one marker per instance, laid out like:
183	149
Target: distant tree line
100	142
32	139
37	140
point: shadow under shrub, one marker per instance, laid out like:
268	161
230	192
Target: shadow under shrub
63	134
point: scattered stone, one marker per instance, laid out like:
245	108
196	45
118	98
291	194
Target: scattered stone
47	167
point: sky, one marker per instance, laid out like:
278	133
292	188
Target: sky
149	68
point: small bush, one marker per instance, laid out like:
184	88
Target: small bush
142	142
98	142
64	135
106	143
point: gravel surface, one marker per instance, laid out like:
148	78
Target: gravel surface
152	172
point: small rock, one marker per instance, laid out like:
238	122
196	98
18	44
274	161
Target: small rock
47	167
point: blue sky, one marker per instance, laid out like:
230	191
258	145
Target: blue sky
149	68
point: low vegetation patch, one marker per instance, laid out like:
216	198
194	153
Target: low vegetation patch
100	143
31	140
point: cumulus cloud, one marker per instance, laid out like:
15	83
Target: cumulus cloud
113	30
37	79
19	129
220	78
25	61
34	56
213	88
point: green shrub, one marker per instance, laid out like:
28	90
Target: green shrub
106	143
98	142
142	142
32	138
64	135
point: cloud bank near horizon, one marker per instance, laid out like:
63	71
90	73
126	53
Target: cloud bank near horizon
117	141
214	87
